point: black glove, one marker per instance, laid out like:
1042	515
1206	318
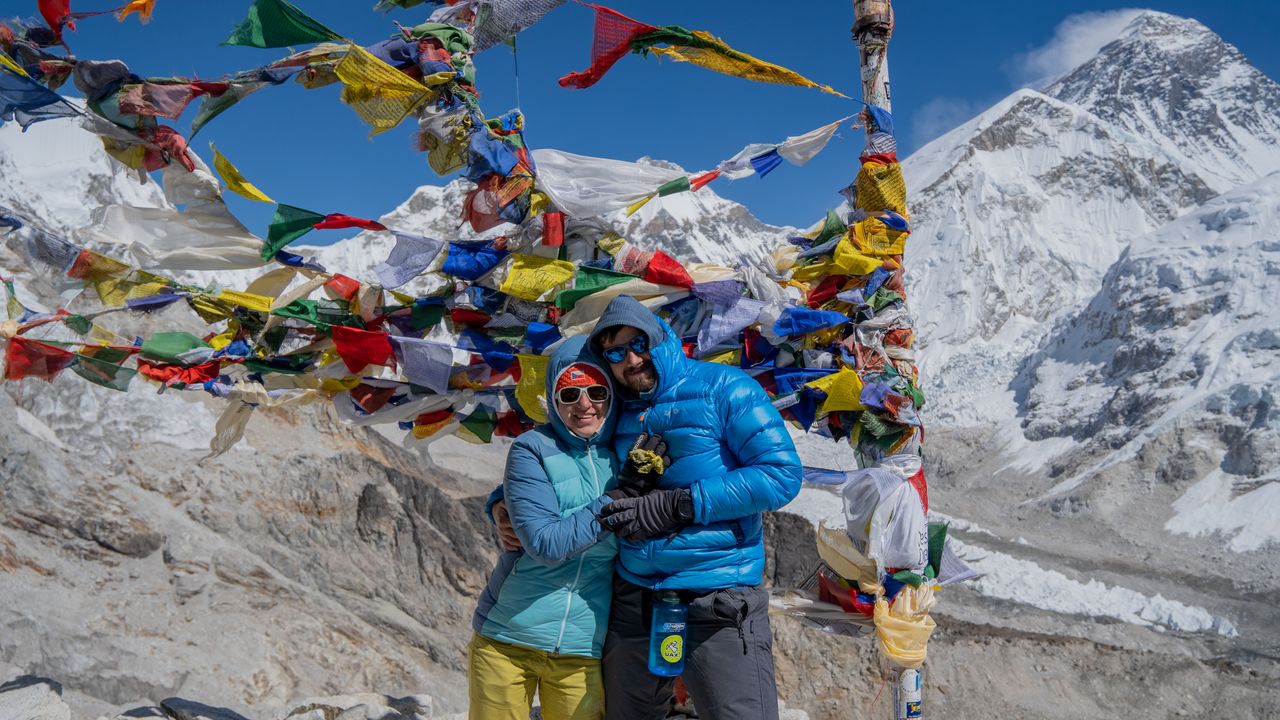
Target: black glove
632	482
640	518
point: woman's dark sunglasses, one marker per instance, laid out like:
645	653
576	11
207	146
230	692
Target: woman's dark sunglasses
570	395
638	345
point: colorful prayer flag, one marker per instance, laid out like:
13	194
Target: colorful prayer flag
276	23
144	8
288	224
236	182
360	348
24	358
704	49
531	277
532	386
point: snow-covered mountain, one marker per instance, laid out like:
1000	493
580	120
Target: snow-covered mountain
1173	80
694	225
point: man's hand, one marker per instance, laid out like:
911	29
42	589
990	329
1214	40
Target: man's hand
506	531
641	470
640	518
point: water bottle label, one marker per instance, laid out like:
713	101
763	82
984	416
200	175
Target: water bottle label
913	709
672	648
672	627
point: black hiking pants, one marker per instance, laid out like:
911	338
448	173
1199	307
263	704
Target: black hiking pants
728	656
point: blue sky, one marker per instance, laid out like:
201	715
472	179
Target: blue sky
305	148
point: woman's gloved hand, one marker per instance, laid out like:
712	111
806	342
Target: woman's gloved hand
656	512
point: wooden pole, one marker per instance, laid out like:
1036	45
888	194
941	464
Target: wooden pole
872	28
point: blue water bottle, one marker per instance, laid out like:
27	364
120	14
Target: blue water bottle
666	636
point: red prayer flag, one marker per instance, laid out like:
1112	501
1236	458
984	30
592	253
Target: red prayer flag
359	348
509	424
553	229
57	13
613	35
664	270
172	374
703	179
370	398
922	488
345	287
433	417
467	316
164	145
25	358
879	159
826	290
338	221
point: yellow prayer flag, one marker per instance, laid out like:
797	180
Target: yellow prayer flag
221	340
873	237
849	259
538	203
531	276
532	386
143	7
425	431
9	64
257	303
611	243
209	308
633	207
236	182
843	390
381	95
726	357
881	187
816	270
339	384
717	56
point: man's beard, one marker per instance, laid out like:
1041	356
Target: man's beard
641	379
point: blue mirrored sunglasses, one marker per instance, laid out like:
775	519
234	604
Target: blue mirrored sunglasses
638	345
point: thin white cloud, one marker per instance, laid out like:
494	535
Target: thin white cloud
1076	39
939	115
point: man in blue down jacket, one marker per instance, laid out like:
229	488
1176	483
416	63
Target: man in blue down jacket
699	531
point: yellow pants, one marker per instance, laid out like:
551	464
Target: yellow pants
502	678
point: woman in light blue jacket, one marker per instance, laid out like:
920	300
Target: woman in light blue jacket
541	620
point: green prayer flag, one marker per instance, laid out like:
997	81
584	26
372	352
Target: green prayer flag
422	317
882	298
214	105
276	23
301	309
481	424
78	324
832	227
675	186
937	540
589	280
167	346
103	372
288	224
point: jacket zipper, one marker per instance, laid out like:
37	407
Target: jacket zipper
568	603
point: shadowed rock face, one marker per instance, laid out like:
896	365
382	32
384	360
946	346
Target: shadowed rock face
328	561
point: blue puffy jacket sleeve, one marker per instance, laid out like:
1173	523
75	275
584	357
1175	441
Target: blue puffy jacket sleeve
535	511
768	470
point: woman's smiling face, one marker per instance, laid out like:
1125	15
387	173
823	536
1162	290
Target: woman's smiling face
584	416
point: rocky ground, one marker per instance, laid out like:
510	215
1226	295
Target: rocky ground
339	563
